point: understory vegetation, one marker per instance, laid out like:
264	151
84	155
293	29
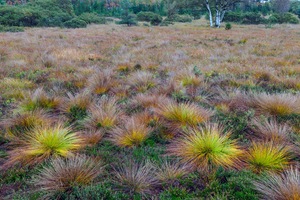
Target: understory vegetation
178	112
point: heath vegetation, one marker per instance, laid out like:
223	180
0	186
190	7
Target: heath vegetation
148	112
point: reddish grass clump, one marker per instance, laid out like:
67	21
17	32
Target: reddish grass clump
62	175
39	100
105	114
280	187
277	104
141	81
102	82
270	130
132	133
136	177
20	124
172	171
75	106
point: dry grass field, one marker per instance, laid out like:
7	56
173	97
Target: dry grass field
178	112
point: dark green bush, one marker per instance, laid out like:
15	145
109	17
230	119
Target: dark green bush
129	20
283	18
228	26
75	23
233	17
151	17
48	13
179	18
53	12
252	18
295	8
166	22
17	16
92	18
11	29
244	18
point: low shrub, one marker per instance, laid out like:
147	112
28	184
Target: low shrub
252	18
92	18
228	26
75	23
12	29
284	18
129	20
151	17
17	16
244	18
179	18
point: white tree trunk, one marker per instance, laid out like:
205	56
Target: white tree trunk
209	13
218	18
222	15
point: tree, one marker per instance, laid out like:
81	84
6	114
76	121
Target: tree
127	17
281	6
220	7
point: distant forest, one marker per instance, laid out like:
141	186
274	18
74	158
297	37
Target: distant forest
79	13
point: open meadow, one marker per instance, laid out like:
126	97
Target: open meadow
178	112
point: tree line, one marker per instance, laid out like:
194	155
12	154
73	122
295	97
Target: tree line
78	13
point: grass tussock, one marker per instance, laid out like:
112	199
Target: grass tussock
45	142
105	114
136	177
183	115
76	106
268	157
277	104
132	133
19	125
102	82
285	186
172	171
62	175
39	99
271	130
207	148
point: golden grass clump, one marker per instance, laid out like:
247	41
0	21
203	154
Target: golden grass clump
14	88
285	186
268	157
187	78
271	130
105	114
39	100
277	104
18	125
102	82
44	142
136	177
62	175
182	115
207	148
132	133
